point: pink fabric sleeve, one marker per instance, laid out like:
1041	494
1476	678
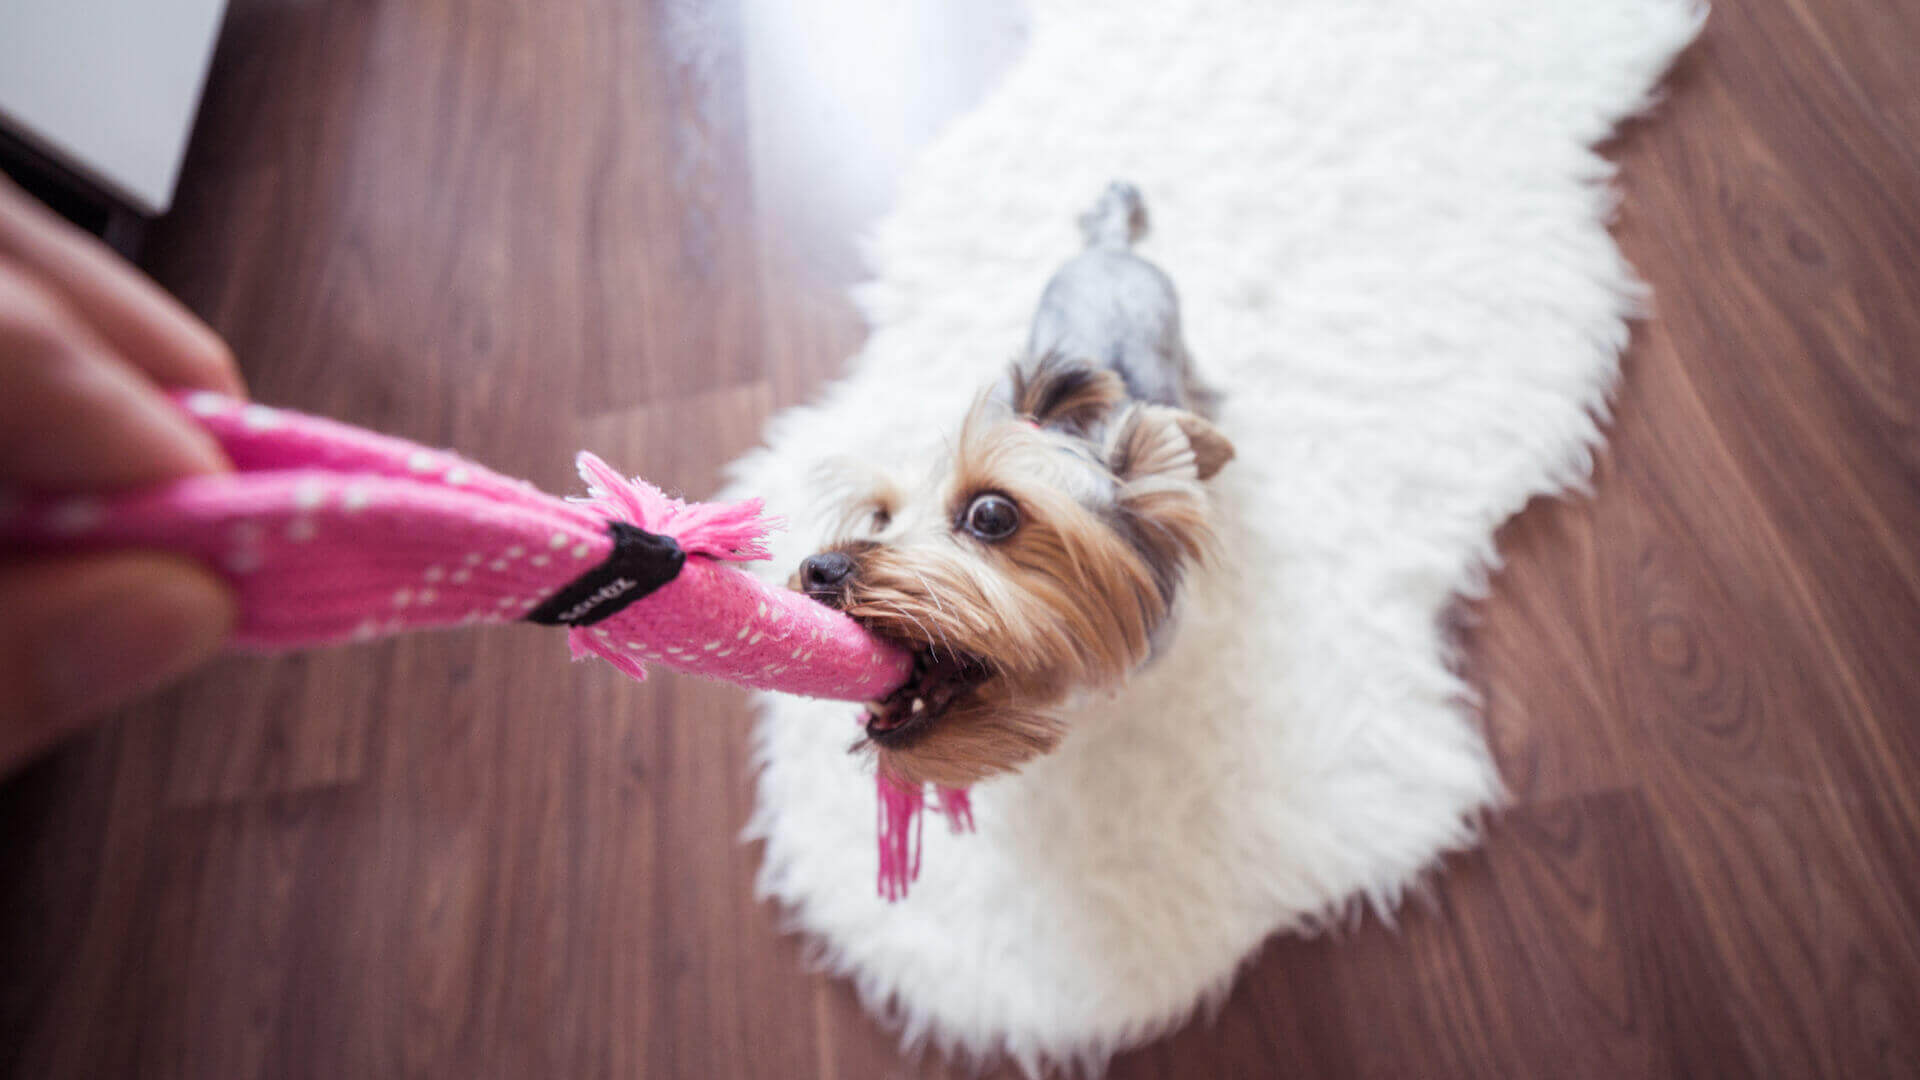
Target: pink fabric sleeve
329	533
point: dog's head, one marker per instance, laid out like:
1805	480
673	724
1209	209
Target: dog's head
1038	559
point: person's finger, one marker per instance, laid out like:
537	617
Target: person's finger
84	634
148	328
73	418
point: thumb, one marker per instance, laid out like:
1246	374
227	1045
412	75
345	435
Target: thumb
79	635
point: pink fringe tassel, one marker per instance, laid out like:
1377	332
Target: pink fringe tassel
958	806
900	810
899	832
581	644
735	532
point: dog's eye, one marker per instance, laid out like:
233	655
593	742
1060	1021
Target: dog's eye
880	519
991	517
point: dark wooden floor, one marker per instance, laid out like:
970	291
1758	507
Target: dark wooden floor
628	226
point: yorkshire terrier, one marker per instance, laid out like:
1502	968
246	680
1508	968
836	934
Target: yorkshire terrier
1041	559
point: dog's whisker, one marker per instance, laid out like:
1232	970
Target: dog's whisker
895	609
934	595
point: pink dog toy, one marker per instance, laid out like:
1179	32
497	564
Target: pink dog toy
329	533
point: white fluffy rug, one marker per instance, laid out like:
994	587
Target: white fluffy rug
1387	228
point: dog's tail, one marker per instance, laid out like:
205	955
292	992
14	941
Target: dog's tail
1119	219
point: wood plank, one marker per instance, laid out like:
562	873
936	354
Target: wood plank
679	444
1567	948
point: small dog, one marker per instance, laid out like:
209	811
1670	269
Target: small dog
1042	559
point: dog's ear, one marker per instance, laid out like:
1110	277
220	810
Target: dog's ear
1156	442
1211	450
1160	455
1071	395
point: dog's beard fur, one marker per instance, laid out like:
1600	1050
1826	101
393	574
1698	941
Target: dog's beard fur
1112	511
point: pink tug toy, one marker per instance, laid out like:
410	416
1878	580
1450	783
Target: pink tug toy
329	533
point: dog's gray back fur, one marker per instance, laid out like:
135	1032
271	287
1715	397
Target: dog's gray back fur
1113	309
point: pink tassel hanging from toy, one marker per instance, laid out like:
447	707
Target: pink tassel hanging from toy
901	809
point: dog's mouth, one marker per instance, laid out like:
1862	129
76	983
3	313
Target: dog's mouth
940	678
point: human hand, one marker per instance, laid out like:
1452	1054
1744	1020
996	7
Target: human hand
86	344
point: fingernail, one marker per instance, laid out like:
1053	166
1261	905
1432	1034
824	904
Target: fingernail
129	634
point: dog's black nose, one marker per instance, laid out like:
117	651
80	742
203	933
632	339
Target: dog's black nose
824	573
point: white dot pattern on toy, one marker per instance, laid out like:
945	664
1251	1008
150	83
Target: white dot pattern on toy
207	403
310	495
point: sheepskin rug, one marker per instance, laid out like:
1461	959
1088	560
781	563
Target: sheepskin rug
1387	225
